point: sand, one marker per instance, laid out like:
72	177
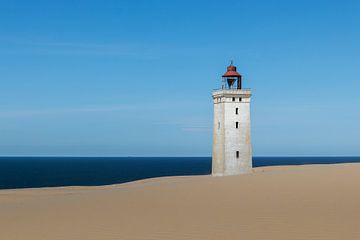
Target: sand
299	202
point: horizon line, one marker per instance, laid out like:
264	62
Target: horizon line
170	156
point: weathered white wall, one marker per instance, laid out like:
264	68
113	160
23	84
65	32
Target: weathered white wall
227	139
218	150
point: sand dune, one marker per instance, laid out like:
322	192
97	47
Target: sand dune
301	202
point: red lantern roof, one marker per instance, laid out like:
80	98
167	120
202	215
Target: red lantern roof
231	72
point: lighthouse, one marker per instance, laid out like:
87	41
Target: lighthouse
231	150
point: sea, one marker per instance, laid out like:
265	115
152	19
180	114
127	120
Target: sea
35	172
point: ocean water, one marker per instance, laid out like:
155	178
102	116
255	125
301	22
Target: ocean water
29	172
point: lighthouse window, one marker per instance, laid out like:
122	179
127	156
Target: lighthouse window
240	99
237	154
233	99
237	111
237	124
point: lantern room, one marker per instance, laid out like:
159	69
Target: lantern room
231	79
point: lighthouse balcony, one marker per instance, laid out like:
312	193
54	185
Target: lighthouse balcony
231	95
243	91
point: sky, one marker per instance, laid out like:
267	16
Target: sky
134	78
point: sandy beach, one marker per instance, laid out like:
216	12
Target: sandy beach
288	202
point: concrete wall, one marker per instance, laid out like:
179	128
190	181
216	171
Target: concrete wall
227	139
218	150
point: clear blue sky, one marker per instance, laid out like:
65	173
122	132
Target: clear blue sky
135	77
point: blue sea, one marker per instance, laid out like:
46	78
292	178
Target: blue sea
30	172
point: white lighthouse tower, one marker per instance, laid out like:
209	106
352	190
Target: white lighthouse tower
231	151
